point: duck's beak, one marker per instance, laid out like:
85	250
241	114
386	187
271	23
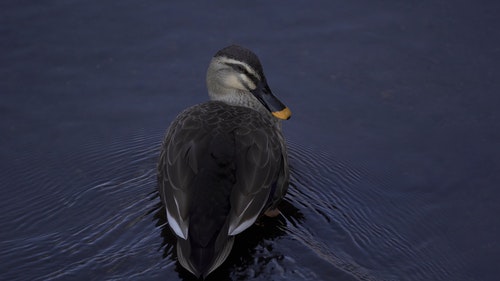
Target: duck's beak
264	94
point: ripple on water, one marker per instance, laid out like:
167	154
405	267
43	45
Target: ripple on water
98	211
354	221
90	212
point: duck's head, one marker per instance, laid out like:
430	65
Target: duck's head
235	76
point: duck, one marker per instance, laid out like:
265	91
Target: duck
223	163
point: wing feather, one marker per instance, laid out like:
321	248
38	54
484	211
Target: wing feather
260	163
261	173
178	166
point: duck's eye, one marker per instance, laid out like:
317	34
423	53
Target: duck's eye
240	68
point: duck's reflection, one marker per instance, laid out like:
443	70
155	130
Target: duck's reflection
242	257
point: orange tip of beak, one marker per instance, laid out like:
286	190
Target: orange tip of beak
284	114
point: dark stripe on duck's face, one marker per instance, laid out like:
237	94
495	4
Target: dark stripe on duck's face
241	69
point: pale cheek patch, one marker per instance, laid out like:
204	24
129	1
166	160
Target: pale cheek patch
240	82
232	81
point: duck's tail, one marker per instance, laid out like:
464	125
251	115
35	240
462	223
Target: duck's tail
201	261
208	243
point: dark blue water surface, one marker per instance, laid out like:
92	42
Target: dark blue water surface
394	140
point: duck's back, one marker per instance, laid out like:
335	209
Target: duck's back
220	167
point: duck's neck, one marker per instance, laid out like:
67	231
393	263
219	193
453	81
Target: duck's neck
241	98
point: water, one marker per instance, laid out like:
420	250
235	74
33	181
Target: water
393	141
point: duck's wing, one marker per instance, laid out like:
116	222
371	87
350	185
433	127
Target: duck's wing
247	140
178	166
261	175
